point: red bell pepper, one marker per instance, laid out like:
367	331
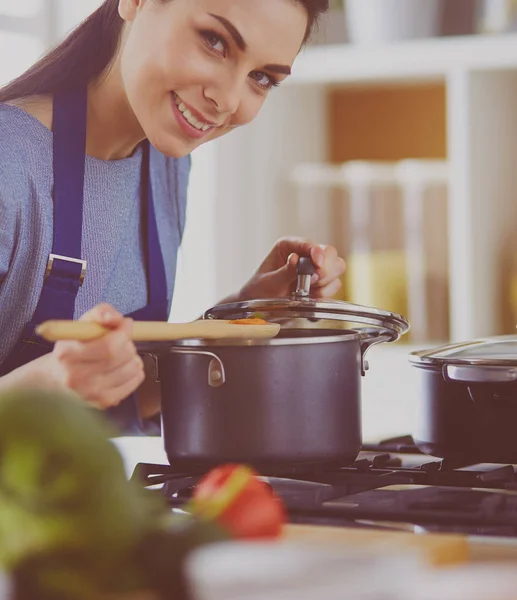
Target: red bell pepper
235	498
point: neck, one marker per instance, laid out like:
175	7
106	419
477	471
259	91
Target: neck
113	131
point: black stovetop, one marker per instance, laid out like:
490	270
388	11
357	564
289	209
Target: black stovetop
391	484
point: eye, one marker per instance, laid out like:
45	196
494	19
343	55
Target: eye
215	41
264	80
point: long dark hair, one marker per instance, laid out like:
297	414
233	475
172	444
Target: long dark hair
89	50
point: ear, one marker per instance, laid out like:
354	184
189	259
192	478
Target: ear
128	9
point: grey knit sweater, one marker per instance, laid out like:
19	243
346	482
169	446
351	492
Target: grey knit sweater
112	240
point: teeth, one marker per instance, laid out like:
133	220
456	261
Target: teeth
189	116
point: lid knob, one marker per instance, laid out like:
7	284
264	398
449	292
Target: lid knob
306	270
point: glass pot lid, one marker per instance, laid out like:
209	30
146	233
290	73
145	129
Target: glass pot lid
301	306
489	352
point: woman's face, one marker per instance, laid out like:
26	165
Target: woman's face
195	69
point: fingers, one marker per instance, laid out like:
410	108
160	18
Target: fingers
328	291
103	371
122	376
329	266
277	275
332	271
321	254
292	260
292	245
105	315
108	389
115	347
114	395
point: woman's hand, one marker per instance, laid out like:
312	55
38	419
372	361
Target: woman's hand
277	275
105	371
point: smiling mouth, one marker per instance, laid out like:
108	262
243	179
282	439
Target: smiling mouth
201	126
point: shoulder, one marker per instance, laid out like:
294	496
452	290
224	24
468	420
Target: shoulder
38	107
25	144
25	174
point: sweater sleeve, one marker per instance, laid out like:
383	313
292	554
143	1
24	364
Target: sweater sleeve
7	223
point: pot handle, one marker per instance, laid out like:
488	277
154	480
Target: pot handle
473	374
371	336
216	370
305	270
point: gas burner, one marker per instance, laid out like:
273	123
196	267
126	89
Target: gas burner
451	509
390	482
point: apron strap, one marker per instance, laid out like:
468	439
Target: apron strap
69	151
65	269
157	307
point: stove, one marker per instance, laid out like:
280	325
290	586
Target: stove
392	485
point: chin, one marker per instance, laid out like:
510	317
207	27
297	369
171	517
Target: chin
171	146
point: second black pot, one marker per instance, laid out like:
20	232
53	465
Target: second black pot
468	401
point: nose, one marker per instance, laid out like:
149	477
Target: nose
225	96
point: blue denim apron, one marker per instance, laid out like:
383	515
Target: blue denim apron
66	270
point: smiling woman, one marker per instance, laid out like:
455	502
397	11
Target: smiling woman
95	172
172	53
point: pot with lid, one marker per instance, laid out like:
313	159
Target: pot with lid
279	404
468	401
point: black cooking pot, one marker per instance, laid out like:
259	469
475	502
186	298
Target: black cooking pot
468	401
280	404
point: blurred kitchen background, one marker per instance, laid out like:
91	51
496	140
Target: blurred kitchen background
395	140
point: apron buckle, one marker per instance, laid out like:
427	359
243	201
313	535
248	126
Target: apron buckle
79	261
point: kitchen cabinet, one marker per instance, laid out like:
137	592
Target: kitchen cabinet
445	98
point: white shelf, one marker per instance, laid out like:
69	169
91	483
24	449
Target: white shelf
480	78
432	59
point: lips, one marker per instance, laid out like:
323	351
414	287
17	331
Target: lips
191	122
184	107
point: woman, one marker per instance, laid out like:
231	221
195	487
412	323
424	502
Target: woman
94	165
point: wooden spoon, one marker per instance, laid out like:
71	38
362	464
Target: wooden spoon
155	331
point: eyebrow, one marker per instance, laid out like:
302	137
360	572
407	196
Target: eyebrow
241	44
233	31
283	69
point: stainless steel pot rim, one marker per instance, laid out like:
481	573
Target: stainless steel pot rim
498	351
278	309
318	338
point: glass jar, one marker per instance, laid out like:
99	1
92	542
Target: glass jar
424	189
376	261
